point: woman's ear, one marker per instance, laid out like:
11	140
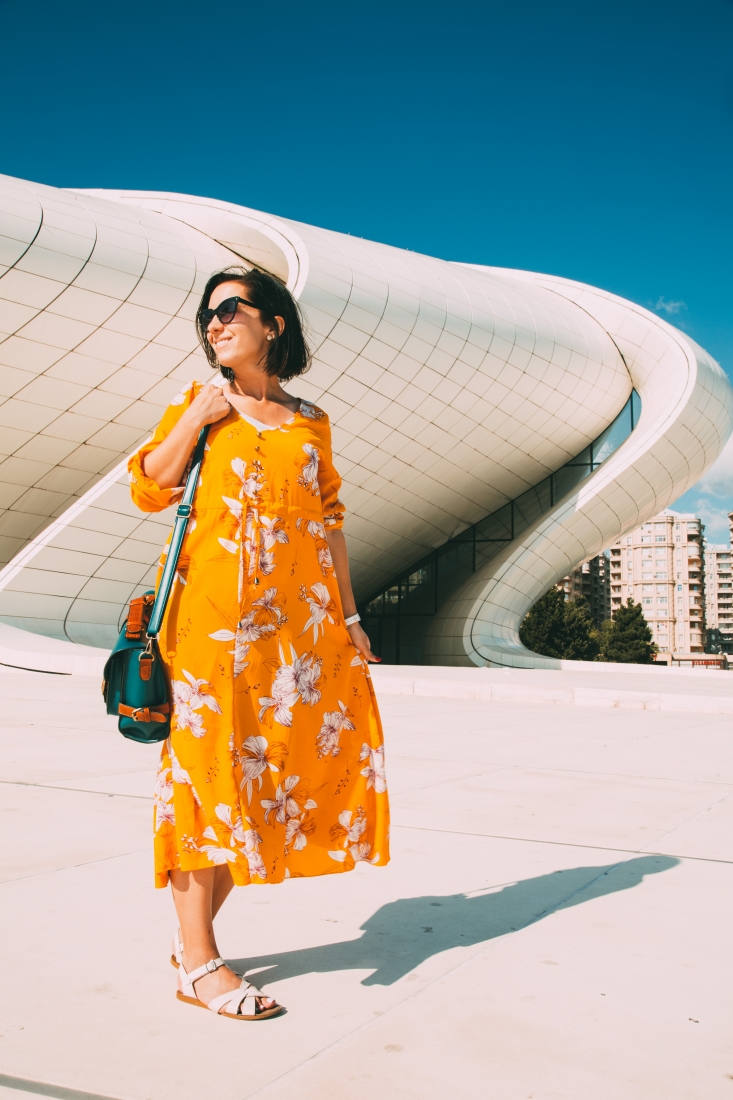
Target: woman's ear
279	321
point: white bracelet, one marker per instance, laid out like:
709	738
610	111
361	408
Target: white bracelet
352	619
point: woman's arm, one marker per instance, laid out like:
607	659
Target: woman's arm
165	465
340	557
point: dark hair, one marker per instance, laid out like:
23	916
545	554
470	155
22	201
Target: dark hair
287	354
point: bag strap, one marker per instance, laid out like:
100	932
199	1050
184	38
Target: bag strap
183	513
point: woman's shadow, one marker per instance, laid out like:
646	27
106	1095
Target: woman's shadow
404	933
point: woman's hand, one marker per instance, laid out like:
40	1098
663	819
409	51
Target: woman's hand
208	406
167	463
361	641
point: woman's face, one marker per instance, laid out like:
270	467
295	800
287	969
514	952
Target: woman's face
243	341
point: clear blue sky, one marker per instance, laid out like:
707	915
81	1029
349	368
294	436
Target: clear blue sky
587	139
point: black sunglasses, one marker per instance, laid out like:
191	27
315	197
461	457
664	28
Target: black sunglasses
225	311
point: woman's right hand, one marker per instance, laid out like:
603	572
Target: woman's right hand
208	406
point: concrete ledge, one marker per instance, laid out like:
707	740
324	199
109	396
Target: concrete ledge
683	690
22	649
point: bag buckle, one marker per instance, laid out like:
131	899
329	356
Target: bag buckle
183	511
145	661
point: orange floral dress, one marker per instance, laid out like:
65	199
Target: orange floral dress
275	762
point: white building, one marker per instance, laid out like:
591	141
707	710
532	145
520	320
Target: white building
719	596
482	417
660	565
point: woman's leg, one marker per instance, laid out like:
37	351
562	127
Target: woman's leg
223	886
193	894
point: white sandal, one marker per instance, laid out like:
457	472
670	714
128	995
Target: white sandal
226	1004
177	949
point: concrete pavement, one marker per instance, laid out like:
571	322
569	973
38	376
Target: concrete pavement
554	924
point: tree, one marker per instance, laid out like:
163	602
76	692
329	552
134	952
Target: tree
556	628
626	637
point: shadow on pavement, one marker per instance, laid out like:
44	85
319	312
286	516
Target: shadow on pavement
404	933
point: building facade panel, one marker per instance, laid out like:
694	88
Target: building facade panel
453	391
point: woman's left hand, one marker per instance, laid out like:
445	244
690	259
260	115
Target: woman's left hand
361	641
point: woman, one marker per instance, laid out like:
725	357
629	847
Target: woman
275	764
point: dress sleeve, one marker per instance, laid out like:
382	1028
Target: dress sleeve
329	483
145	492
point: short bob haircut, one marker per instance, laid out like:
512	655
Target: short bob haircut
287	354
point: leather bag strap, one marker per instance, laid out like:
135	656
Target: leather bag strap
183	513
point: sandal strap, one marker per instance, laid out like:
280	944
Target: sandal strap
207	968
234	1000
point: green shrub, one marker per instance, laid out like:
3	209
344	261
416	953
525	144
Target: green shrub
556	628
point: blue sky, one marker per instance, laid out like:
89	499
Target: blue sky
588	140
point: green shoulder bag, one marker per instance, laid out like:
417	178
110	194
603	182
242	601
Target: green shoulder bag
135	685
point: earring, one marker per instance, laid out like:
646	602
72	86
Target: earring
270	336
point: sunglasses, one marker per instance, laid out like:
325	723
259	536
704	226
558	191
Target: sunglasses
225	311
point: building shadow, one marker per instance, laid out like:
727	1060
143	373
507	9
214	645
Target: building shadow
404	933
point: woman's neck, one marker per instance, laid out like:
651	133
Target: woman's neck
256	396
259	387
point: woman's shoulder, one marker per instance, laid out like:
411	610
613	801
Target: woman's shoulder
187	392
313	412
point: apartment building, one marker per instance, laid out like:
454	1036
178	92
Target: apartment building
592	581
718	598
661	566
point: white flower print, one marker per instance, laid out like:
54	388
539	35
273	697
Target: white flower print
308	477
273	531
163	785
297	831
214	852
233	822
247	631
164	812
187	699
252	630
313	526
285	804
362	851
270	606
352	832
317	532
374	771
181	395
311	412
333	722
251	482
257	756
321	607
252	841
241	646
163	799
325	560
299	680
179	774
235	507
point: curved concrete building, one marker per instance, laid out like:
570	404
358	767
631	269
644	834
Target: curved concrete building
456	393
